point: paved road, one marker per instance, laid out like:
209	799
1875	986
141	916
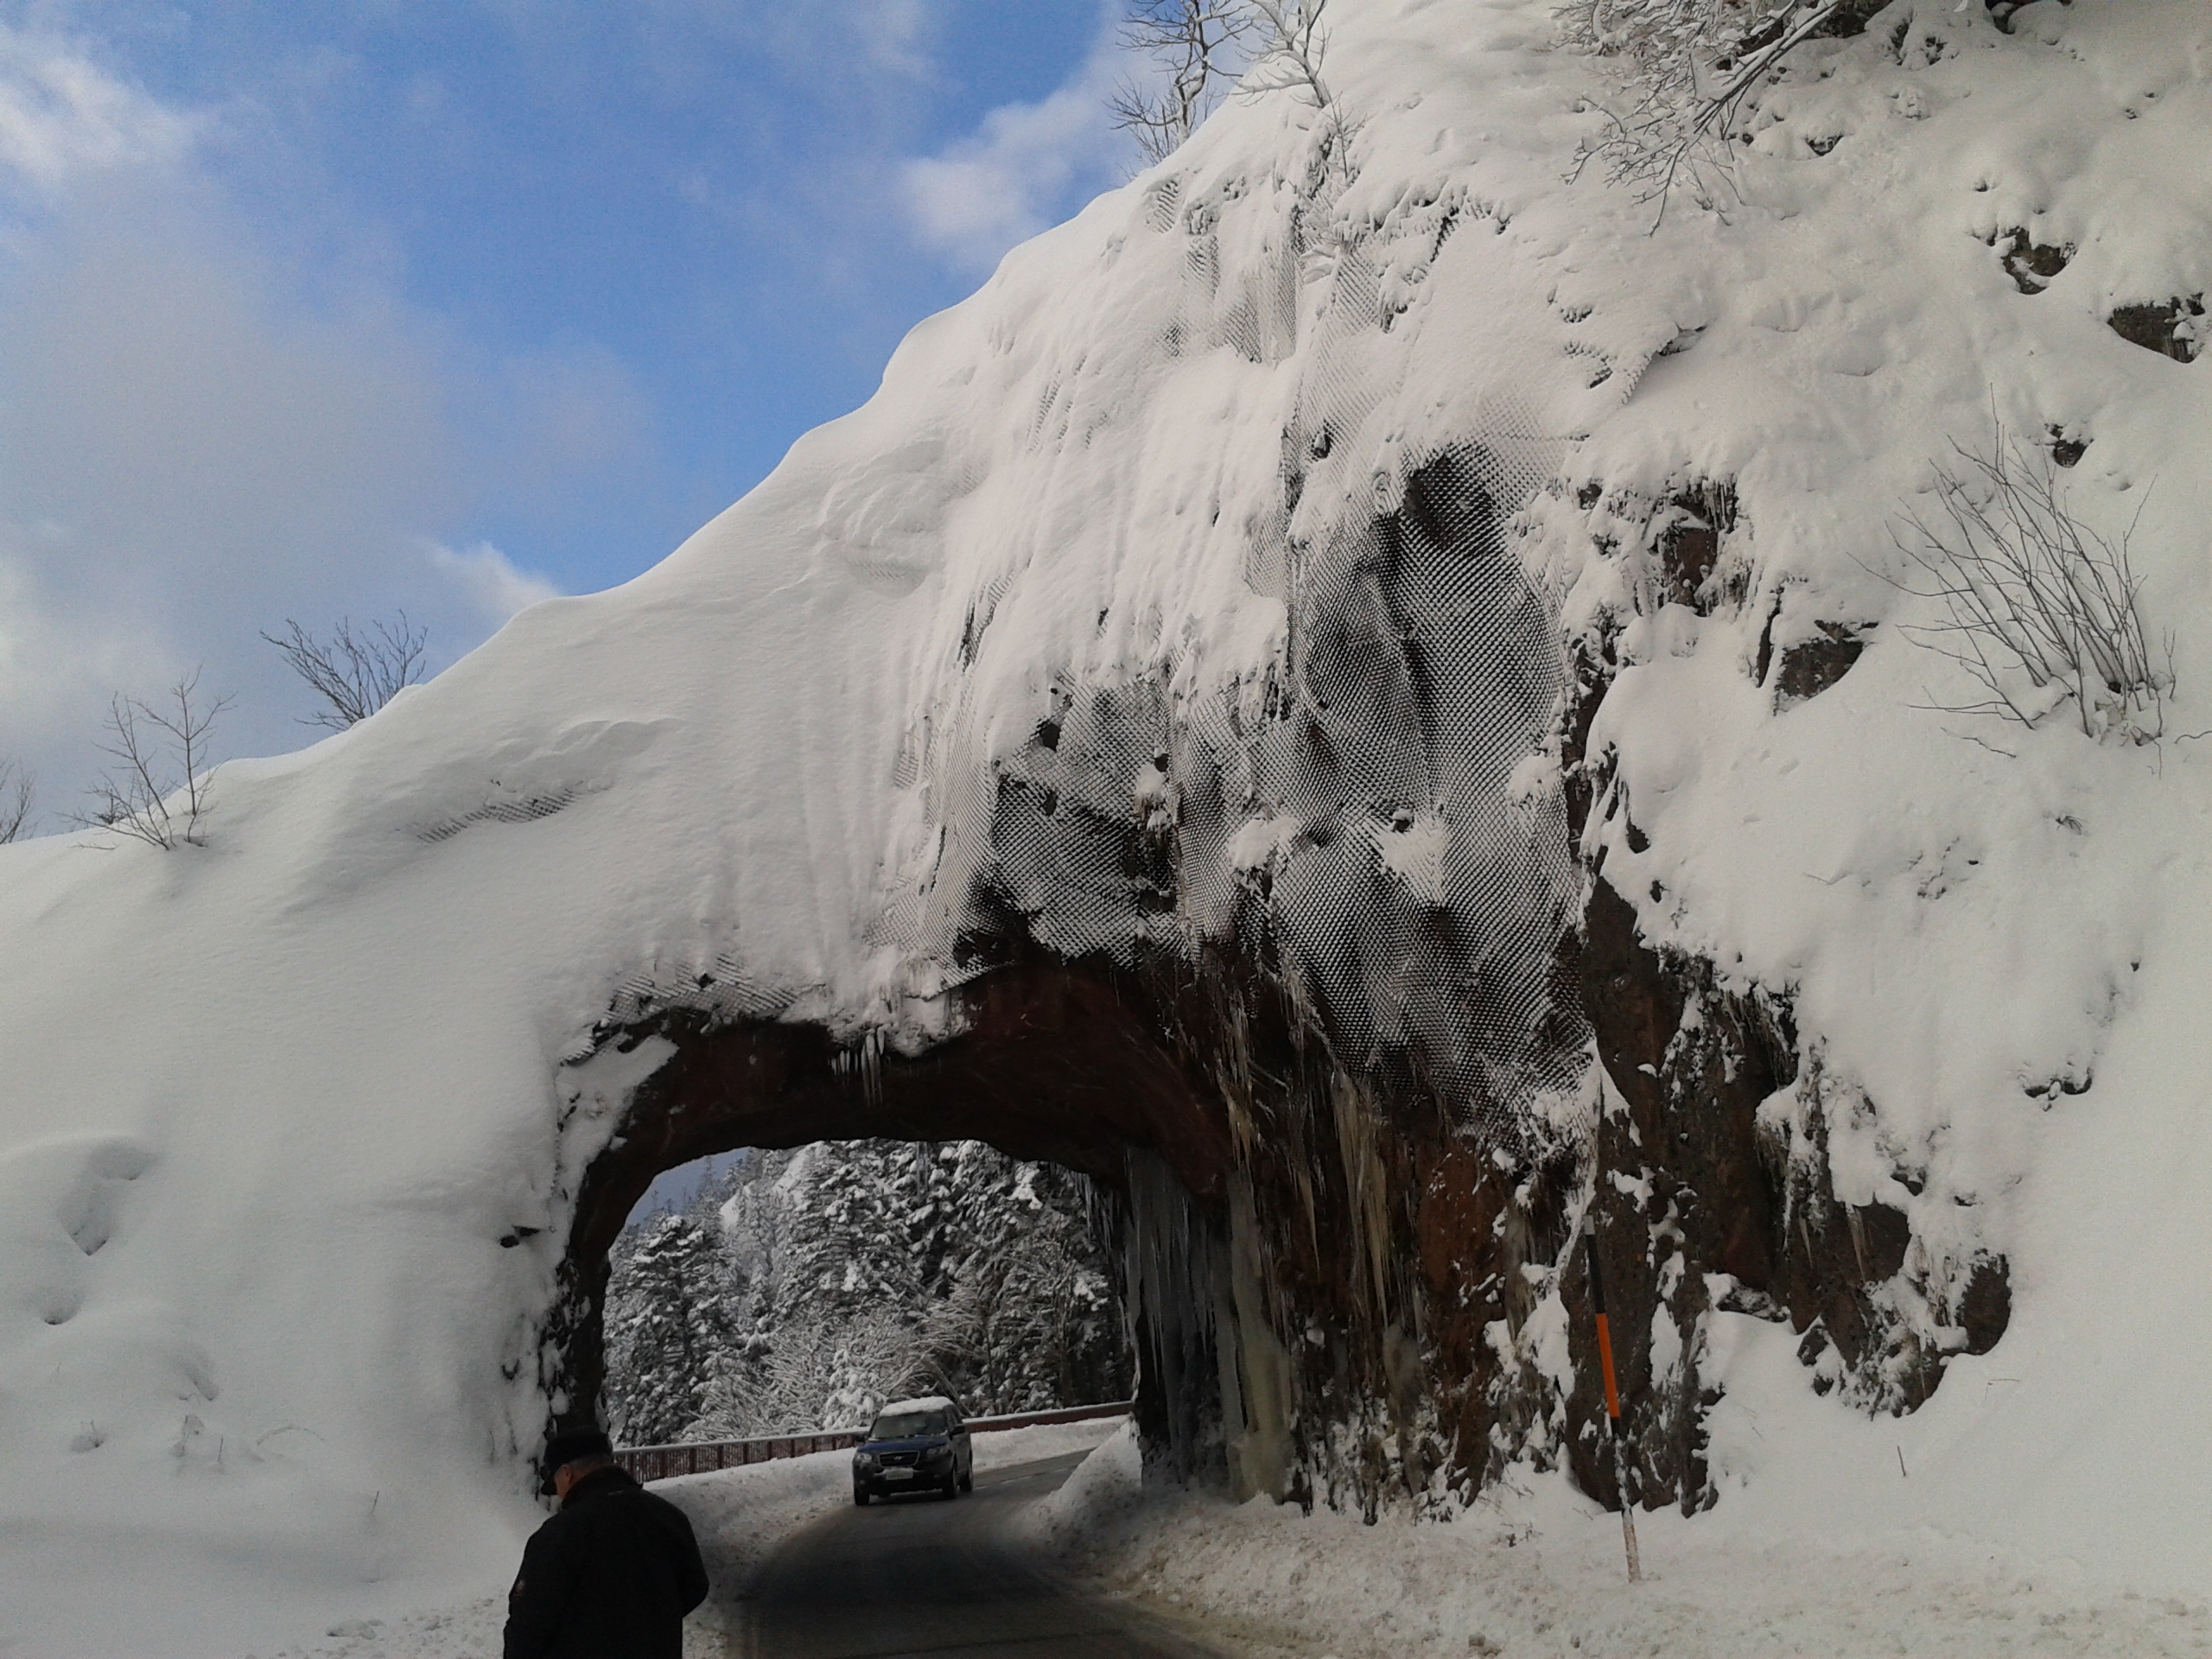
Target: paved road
922	1575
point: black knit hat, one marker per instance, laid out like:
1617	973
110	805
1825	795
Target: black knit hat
570	1445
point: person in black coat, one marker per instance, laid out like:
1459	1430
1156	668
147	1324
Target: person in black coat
612	1575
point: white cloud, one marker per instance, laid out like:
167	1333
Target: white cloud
61	115
1027	168
489	578
894	37
198	441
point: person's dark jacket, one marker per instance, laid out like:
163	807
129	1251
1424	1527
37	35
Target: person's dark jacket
609	1577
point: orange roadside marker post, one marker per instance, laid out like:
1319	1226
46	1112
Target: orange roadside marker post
1613	1410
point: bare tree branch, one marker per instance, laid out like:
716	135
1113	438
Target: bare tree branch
356	674
1193	41
17	790
158	790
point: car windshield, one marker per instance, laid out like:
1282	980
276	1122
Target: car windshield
907	1425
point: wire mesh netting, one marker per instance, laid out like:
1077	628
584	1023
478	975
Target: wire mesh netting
1354	815
1351	821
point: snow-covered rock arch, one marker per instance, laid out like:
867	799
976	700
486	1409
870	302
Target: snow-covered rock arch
1408	637
1055	1063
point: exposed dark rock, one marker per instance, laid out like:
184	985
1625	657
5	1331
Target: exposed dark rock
1689	543
1851	18
1885	1235
2068	1084
1590	672
1316	1263
2161	328
2031	264
1679	1193
2065	450
1985	1306
2001	11
1690	1180
1811	666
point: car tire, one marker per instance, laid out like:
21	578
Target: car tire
860	1497
952	1488
968	1482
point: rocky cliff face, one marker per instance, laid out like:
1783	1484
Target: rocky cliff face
1343	1258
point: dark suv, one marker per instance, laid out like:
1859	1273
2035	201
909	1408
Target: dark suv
915	1446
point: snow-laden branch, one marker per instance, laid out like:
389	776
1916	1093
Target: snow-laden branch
1691	66
1292	49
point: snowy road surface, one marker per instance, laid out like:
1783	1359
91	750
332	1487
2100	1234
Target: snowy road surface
918	1575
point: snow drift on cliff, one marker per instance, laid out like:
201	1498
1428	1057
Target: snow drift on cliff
286	1132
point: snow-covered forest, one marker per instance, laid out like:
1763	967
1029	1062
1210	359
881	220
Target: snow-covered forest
802	1289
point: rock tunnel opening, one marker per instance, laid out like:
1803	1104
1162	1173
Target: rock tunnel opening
1056	1064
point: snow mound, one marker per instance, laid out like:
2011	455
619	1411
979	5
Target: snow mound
1539	1572
1105	1486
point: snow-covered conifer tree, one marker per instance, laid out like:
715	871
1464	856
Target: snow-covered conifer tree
669	1315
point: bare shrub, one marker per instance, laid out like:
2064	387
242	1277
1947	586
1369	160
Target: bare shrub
18	791
158	790
355	674
1193	41
2039	609
1691	65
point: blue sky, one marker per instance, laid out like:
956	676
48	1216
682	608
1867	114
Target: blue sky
311	309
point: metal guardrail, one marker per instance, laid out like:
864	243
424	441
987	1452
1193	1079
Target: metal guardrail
1056	1414
705	1457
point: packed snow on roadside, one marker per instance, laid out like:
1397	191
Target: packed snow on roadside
739	1516
1002	1448
289	1146
1534	1571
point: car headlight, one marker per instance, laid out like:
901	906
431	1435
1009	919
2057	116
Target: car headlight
864	1460
937	1454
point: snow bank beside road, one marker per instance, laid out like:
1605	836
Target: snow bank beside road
739	1514
1105	1487
1538	1575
